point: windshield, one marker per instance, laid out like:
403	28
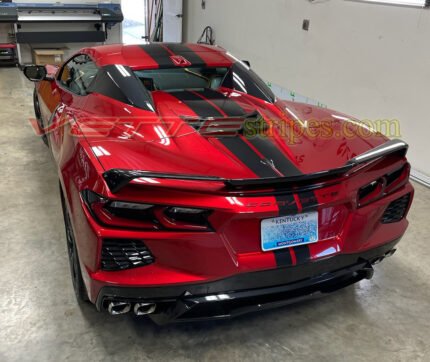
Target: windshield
178	79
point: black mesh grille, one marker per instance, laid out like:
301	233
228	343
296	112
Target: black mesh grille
396	210
120	254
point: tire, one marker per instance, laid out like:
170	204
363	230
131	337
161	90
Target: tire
38	115
75	268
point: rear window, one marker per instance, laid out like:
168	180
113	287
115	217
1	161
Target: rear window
178	79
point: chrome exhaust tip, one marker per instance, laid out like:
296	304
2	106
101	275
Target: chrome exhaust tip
144	308
117	308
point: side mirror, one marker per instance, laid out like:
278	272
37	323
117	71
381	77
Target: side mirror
36	73
247	63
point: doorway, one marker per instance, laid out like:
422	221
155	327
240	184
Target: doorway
133	26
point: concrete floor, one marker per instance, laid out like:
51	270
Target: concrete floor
387	318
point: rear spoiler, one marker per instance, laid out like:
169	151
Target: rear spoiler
116	179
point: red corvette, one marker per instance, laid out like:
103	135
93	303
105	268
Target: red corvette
191	192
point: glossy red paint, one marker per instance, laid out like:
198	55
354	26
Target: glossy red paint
90	134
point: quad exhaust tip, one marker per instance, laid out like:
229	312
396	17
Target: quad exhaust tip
120	307
144	308
117	308
381	258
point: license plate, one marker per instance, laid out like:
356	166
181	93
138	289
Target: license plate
286	231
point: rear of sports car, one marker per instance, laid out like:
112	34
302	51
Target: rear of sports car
181	247
204	203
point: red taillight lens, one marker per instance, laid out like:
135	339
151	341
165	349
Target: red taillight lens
383	186
397	178
120	214
126	214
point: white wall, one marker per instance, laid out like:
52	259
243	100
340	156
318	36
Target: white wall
114	34
370	61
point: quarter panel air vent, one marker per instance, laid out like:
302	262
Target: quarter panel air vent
121	254
396	210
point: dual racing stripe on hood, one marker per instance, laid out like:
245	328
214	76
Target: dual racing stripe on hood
195	101
225	106
162	54
260	155
210	103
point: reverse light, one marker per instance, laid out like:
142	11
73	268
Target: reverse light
133	215
195	216
186	218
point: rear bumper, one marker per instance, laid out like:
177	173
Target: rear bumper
248	292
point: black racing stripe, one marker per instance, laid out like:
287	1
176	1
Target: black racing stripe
308	200
159	54
229	107
283	257
302	253
245	154
197	104
270	151
187	53
287	205
235	144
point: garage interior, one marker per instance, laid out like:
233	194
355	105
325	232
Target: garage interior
360	57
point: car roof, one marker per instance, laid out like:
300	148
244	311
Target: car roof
159	55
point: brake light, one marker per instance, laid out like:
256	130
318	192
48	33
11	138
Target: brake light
398	178
126	214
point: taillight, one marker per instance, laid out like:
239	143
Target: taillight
383	186
397	178
370	192
183	214
126	214
186	218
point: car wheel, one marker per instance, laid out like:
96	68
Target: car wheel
75	268
38	115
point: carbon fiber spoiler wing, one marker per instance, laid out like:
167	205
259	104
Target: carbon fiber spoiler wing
116	179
